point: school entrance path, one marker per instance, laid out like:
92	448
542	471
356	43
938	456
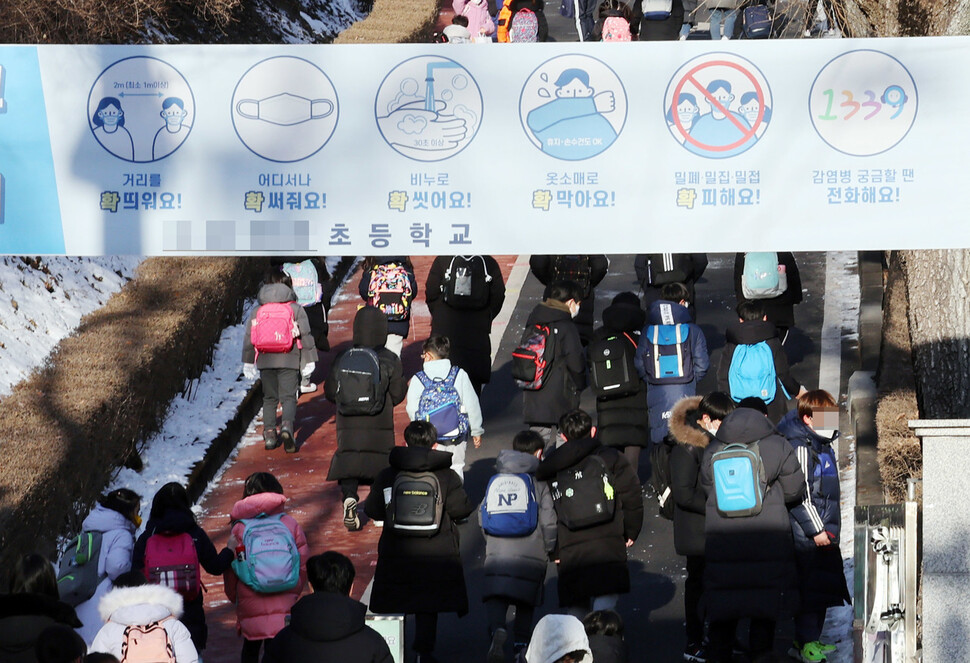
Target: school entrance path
313	501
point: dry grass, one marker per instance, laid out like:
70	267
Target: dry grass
98	21
106	388
393	21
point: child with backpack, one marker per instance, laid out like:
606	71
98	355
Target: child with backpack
113	521
754	364
586	271
672	356
419	570
518	520
278	344
142	623
308	276
388	284
443	395
613	22
173	550
693	422
816	525
522	21
269	572
751	477
599	509
777	289
476	11
365	382
621	396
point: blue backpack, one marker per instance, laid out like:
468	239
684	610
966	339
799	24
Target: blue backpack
739	480
440	404
752	373
270	559
510	507
668	359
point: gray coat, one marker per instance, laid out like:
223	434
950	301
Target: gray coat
515	567
750	569
296	358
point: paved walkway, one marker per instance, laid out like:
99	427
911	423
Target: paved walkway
313	501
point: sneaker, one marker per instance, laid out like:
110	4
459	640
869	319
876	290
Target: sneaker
270	441
286	436
496	651
351	520
811	652
695	653
308	387
378	523
807	33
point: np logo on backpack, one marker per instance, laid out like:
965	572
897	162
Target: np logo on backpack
360	383
657	10
390	290
466	283
669	359
616	28
306	282
611	366
172	560
269	561
532	360
510	508
147	643
77	573
763	277
274	328
414	504
440	405
752	373
739	476
584	494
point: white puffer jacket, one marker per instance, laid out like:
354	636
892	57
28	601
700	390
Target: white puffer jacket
140	606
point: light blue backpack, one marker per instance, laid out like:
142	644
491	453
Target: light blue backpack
752	373
270	559
739	480
761	278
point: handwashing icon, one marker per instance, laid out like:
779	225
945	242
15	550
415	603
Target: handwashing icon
285	109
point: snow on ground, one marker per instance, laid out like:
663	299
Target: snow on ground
40	306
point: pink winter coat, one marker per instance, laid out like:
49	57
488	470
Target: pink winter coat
261	616
477	13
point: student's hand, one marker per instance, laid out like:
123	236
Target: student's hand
605	102
232	543
629	543
477	441
822	539
801	391
250	371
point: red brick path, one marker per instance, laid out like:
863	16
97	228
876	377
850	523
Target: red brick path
313	501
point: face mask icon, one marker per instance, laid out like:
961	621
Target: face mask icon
284	109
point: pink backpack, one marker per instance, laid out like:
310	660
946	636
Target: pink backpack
616	28
273	328
172	560
147	643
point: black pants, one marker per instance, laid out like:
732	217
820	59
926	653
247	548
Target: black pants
808	626
250	650
693	590
279	386
761	639
348	488
425	632
497	611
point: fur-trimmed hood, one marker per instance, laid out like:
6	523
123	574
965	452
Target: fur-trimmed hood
140	605
683	423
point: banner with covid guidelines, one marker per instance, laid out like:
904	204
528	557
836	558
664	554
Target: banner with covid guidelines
446	149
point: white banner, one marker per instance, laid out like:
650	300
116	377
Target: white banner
428	149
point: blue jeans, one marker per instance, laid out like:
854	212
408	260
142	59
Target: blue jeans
726	16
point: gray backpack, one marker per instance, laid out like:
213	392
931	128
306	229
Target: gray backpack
77	573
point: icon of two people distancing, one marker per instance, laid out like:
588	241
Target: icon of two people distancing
110	130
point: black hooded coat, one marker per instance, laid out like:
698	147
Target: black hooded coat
750	561
364	441
328	627
22	619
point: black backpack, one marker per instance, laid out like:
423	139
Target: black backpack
660	476
361	384
416	504
663	268
467	283
575	269
612	371
584	494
